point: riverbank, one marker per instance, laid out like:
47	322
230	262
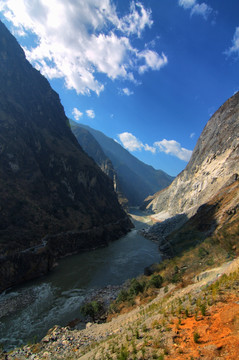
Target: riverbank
20	265
158	329
31	309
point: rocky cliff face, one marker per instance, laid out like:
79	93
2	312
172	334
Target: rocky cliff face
214	161
48	185
135	179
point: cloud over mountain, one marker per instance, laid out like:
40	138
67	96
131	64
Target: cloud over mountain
77	114
171	147
90	114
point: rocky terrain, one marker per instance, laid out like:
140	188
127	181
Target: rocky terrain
54	199
214	161
204	198
135	180
189	322
219	216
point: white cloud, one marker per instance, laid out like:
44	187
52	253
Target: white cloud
187	4
203	9
90	114
130	142
172	147
196	9
150	148
77	39
152	60
235	43
192	135
136	21
127	92
77	114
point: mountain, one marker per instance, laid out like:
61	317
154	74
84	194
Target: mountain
54	199
94	150
203	201
136	180
214	163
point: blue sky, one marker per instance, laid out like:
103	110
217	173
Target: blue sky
148	74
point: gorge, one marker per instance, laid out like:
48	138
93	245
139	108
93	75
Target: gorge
56	201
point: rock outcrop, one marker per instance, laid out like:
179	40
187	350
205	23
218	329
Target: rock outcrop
54	199
135	179
215	160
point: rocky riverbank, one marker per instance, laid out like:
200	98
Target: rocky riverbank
104	296
160	230
161	327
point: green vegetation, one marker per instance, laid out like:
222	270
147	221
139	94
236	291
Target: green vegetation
156	281
123	353
92	309
196	337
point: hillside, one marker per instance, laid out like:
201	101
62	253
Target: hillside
136	180
54	199
94	150
193	320
186	308
214	161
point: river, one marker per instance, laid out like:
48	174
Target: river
32	309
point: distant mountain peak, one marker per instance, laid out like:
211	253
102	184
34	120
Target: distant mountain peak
135	179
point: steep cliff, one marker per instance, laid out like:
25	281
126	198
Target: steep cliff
214	161
91	146
48	185
136	180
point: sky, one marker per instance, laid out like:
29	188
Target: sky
147	73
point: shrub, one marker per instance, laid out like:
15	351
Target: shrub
202	252
113	308
196	337
91	309
123	296
156	281
203	308
136	287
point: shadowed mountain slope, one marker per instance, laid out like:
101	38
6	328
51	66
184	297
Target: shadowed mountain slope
94	150
135	179
49	187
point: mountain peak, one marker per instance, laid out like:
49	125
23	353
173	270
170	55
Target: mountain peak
135	179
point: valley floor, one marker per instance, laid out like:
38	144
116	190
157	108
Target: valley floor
200	320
